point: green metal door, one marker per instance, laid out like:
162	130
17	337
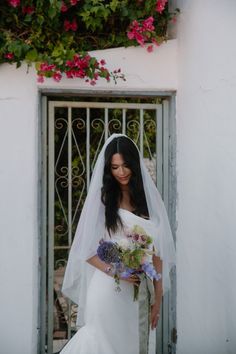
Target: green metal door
73	134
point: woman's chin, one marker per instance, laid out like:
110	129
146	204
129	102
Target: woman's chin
124	183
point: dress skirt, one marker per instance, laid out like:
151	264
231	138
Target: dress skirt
111	317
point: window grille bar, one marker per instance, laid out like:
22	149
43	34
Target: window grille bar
106	123
70	176
141	132
123	121
106	105
87	147
69	200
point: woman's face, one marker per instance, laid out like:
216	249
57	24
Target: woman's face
119	169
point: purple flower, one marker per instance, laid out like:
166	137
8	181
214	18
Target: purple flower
108	252
127	273
150	271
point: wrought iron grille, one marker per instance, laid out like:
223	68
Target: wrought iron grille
74	133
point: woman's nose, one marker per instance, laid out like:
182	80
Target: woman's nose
121	171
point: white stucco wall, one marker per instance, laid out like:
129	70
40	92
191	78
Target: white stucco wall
19	179
18	212
206	175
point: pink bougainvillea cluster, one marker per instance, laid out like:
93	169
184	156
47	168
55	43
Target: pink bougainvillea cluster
14	3
65	7
73	26
144	31
81	66
160	5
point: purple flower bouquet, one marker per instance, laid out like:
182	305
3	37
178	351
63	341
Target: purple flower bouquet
129	256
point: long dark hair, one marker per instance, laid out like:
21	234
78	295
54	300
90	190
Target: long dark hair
111	193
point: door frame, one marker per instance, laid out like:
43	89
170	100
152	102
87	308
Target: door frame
168	333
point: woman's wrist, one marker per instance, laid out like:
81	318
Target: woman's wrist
109	270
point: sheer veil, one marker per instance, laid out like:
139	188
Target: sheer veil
91	228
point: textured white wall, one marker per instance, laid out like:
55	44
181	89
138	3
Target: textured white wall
18	211
156	70
206	173
19	180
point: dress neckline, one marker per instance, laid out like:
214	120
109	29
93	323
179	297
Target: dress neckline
137	216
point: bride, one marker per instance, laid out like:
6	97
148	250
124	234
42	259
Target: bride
121	196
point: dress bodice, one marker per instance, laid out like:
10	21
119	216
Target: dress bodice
129	221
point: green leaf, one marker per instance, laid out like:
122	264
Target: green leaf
52	12
32	55
40	20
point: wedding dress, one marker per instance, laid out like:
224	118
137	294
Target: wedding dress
112	318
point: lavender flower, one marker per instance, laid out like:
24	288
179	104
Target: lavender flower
127	273
108	252
150	271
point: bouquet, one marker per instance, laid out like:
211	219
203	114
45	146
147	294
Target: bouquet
129	256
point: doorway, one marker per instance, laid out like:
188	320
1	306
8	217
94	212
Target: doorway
73	131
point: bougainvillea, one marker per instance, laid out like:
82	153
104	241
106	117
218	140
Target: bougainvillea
57	35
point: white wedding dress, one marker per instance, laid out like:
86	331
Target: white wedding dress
111	317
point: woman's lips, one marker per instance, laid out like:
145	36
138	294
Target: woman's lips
123	178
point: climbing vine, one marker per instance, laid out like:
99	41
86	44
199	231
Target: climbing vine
57	35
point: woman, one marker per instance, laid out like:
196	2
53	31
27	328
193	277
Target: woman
122	196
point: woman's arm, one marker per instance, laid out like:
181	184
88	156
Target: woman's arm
108	269
97	263
155	308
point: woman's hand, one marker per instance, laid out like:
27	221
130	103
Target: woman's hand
133	279
154	316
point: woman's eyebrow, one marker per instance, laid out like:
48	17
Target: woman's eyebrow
115	164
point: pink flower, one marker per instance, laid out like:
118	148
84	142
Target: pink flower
70	25
73	2
102	62
70	63
14	3
79	73
92	82
130	35
69	74
141	31
67	25
148	24
40	78
57	76
154	41
136	237
28	10
46	67
64	8
150	48
74	25
140	39
9	56
160	6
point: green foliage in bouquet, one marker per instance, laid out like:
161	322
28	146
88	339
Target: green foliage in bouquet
133	259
